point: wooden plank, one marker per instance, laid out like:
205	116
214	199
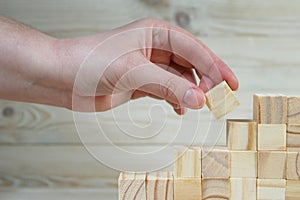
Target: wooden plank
293	135
187	188
272	109
241	134
204	18
188	162
270	189
215	162
132	186
243	188
292	190
221	100
243	164
58	194
293	164
272	164
293	114
159	186
271	136
215	189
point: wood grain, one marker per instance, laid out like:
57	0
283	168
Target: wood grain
215	189
293	164
132	186
272	164
292	190
293	114
187	188
293	135
159	186
270	189
215	162
243	188
271	137
243	164
241	134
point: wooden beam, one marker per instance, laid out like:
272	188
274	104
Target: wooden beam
187	188
293	164
292	190
271	137
215	162
241	134
221	100
132	186
243	188
293	135
270	109
293	114
215	188
270	189
243	164
159	186
272	164
188	162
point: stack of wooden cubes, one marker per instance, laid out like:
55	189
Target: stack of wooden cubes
261	160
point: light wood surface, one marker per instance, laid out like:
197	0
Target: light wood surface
271	189
132	186
159	186
241	134
292	190
243	188
215	189
187	188
293	135
243	164
293	164
271	137
293	115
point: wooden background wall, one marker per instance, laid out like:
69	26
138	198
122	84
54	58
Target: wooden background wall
41	156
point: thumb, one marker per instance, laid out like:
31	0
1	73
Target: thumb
152	79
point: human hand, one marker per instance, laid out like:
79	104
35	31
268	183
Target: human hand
145	58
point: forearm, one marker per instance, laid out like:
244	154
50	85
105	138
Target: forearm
30	67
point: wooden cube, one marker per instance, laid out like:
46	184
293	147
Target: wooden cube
271	164
242	188
241	134
132	186
243	164
293	164
271	137
270	109
188	163
215	162
215	189
159	186
271	189
220	100
293	114
292	190
293	135
187	188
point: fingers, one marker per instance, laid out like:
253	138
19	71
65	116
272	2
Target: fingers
156	81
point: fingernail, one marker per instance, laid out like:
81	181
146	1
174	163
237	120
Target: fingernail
193	99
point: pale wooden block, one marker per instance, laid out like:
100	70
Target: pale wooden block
132	186
270	109
215	162
293	114
293	164
271	164
293	135
187	188
241	134
271	136
221	100
159	186
215	189
188	163
271	189
243	188
243	164
292	190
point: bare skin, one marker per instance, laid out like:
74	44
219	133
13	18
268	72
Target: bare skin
37	68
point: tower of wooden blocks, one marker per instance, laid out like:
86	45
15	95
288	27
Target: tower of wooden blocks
261	160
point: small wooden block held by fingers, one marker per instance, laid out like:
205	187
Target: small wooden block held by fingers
271	189
241	134
188	162
270	109
215	189
159	186
243	188
132	186
220	100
